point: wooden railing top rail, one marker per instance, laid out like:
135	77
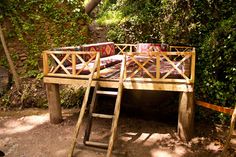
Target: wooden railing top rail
69	52
160	53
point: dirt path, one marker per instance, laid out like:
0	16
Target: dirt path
98	33
29	134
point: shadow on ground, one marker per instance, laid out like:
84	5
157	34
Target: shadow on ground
33	135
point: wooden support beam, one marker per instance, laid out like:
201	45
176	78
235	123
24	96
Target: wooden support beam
186	116
54	105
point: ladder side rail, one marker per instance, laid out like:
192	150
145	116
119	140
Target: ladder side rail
117	108
84	104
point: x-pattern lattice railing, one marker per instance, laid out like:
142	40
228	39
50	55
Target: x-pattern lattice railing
158	59
181	48
122	48
140	60
74	63
69	63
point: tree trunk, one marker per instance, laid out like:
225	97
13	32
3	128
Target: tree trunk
91	5
15	75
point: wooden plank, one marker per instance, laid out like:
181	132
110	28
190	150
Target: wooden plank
107	92
59	80
193	61
225	110
98	67
98	115
125	45
154	53
158	66
54	105
159	86
67	76
82	82
186	116
70	52
96	144
45	64
154	80
165	86
73	64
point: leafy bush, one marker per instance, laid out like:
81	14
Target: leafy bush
71	97
32	95
216	68
208	25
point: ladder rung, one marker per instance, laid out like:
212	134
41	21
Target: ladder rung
96	144
107	92
98	115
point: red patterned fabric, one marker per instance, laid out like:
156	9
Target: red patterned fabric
104	63
106	49
147	47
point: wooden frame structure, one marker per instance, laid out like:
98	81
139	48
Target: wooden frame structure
186	84
56	73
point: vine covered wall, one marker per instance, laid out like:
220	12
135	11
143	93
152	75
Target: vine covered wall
36	25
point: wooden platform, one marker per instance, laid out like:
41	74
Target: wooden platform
177	57
139	85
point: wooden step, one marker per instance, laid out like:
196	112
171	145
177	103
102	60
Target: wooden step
98	115
107	92
96	144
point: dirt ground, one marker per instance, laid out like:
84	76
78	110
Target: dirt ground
28	133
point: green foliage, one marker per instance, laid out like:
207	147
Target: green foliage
37	25
72	97
32	94
208	25
216	68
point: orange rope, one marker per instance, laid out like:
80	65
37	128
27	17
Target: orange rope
215	107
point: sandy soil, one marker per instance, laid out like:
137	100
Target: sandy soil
28	133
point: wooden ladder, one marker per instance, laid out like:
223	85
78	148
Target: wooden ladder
114	117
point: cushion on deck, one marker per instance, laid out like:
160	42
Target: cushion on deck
104	63
106	49
147	47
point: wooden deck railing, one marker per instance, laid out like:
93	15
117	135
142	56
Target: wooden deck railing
65	64
122	48
172	59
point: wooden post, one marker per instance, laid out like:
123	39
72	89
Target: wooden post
54	105
231	130
186	115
